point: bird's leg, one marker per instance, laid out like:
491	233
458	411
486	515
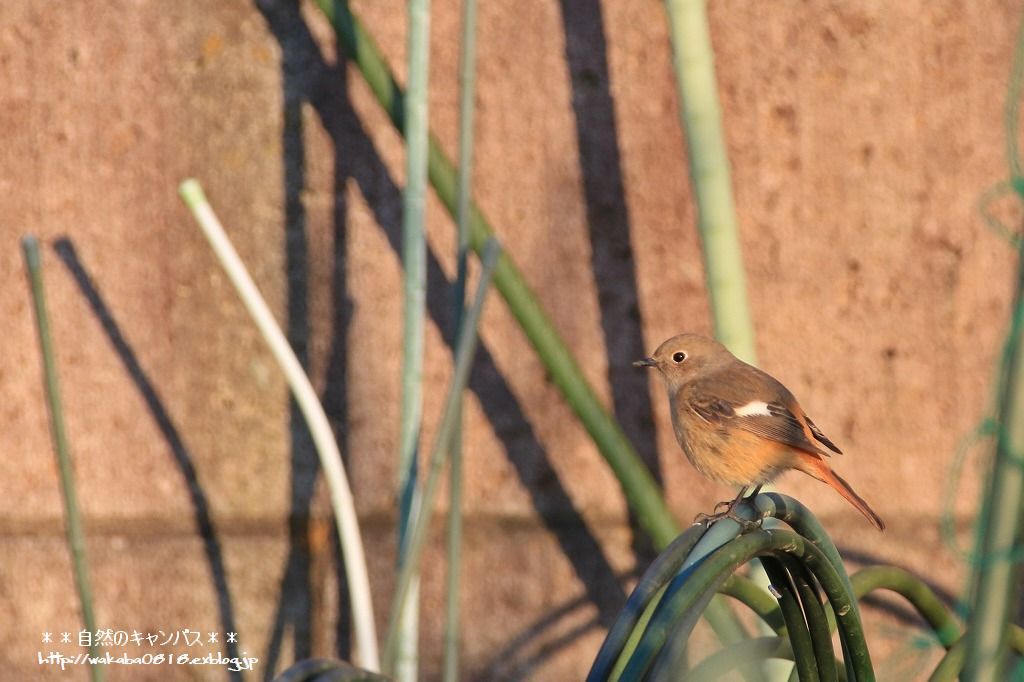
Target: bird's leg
726	512
729	506
746	523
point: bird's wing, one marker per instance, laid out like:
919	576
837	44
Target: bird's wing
818	435
772	419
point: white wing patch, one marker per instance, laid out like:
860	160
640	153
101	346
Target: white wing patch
755	408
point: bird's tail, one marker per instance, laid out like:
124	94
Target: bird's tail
816	467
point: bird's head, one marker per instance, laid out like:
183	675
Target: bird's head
686	357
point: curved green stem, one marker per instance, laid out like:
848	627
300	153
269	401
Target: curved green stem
675	613
651	583
1016	638
766	607
718	665
911	588
713	538
805	523
670	653
748	592
799	634
342	503
817	622
951	664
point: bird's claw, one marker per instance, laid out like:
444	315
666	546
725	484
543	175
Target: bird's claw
725	504
704	518
746	524
725	507
729	513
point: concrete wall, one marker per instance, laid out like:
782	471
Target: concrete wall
861	137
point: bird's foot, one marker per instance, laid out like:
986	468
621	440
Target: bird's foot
746	524
703	518
728	511
726	506
722	510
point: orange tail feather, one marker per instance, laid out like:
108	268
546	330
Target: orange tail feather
815	466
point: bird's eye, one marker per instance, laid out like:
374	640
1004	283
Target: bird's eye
678	357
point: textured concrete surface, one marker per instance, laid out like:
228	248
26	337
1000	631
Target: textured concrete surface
861	137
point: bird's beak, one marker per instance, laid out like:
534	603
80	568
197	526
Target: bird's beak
646	362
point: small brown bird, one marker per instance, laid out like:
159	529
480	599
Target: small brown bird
738	425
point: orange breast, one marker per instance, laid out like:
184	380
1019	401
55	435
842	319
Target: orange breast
732	456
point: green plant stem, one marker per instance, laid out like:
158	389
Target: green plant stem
641	491
951	664
795	514
403	659
789	603
916	592
667	656
684	554
866	581
465	350
711	538
647	589
701	115
996	575
800	518
679	608
632	622
766	606
814	612
467	93
75	533
685	595
638	486
718	665
716	535
342	503
453	580
467	99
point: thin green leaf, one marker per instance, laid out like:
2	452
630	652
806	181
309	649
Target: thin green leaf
465	350
75	534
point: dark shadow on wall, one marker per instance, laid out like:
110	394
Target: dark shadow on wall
303	75
597	139
324	87
300	609
295	611
182	457
524	654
